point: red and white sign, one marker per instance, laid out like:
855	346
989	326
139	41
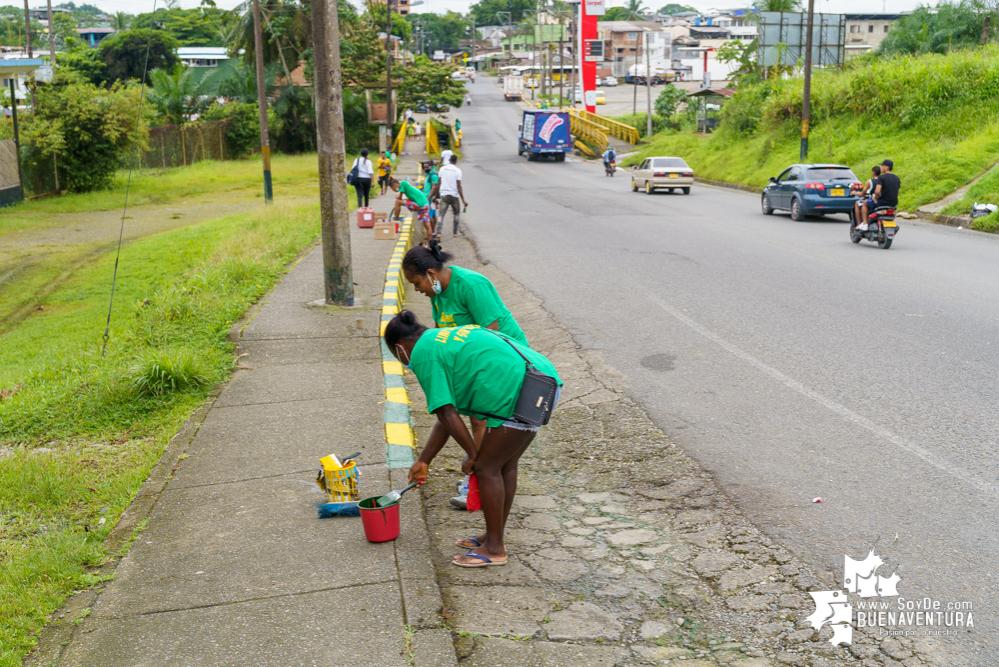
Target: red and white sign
595	7
553	121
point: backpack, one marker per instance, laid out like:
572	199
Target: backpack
353	177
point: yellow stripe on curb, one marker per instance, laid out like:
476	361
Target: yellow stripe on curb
391	368
399	434
397	395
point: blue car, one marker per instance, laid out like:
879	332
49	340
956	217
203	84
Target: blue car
811	189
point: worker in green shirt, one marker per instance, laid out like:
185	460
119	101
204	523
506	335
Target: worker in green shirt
412	198
464	371
459	297
430	178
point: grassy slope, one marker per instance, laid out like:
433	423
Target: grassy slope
82	432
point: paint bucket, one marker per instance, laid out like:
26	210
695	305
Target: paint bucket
381	524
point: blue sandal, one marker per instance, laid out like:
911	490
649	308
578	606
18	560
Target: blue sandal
486	561
469	539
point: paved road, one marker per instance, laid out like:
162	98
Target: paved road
791	363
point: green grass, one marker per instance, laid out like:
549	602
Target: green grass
79	432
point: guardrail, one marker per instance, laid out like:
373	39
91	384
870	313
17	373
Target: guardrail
612	127
587	130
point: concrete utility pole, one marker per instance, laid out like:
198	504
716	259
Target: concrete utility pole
27	28
648	85
806	100
389	117
51	37
338	278
265	142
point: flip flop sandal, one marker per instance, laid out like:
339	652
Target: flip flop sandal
486	562
469	539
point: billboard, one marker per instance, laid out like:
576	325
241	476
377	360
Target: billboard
595	7
782	39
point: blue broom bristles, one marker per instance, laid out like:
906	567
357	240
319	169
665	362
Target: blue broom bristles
328	510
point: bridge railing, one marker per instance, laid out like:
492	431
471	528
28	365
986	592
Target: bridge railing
614	128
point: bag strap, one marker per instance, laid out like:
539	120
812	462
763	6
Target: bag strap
522	356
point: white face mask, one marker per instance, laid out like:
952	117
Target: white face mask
401	351
436	285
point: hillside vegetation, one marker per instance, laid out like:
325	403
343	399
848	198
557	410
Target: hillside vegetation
934	115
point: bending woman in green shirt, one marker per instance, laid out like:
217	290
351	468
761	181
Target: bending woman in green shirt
465	371
459	297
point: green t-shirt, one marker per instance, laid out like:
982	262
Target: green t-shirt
428	182
474	369
470	298
412	193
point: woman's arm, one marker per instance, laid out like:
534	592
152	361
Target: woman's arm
449	424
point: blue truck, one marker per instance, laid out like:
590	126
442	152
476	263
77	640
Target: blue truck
544	134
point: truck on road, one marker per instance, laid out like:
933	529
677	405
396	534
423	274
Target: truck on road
544	134
513	88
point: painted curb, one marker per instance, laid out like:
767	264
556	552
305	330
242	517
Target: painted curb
400	441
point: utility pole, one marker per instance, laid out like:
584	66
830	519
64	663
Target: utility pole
806	101
634	90
51	37
265	142
27	28
389	118
648	84
338	279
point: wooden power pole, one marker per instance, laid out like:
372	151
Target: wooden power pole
806	99
51	37
265	142
333	198
27	28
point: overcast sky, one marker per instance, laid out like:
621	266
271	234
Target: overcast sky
837	6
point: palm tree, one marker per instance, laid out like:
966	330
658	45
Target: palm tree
636	10
120	21
177	94
772	6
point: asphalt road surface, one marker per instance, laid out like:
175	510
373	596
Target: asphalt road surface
790	362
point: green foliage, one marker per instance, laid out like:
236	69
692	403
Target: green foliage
777	6
947	27
124	53
673	8
484	11
442	31
296	113
243	133
989	223
669	100
177	95
84	61
190	27
65	30
162	371
743	55
89	130
359	133
362	54
430	83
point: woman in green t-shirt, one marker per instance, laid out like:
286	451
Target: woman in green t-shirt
459	297
463	371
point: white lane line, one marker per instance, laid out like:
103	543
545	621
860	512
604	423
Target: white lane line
990	490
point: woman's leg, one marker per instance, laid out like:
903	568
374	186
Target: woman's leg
366	191
358	188
496	470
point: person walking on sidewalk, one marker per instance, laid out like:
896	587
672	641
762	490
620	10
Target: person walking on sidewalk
459	297
450	194
412	198
430	179
365	170
384	171
465	371
446	157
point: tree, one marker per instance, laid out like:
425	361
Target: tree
87	129
674	8
636	10
429	83
177	95
190	27
738	52
947	27
124	53
64	27
441	31
121	21
615	14
83	62
484	11
772	6
669	100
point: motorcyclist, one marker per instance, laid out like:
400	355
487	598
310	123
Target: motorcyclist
886	190
865	194
609	156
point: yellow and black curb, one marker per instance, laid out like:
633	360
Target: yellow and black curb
400	440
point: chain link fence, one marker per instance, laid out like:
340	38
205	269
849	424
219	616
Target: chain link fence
181	145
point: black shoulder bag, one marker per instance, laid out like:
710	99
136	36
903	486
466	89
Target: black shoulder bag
354	174
537	395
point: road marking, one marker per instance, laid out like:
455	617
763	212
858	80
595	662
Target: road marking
989	490
529	169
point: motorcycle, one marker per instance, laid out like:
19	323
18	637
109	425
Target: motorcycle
610	168
880	228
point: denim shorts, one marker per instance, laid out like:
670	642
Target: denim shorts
527	427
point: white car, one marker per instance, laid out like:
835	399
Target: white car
662	173
609	81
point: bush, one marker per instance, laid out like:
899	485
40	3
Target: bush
164	372
124	53
243	133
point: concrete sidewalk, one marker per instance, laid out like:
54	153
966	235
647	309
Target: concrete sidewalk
234	568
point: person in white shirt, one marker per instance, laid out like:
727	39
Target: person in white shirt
448	190
446	157
364	172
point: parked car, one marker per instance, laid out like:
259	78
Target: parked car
656	173
609	81
811	189
601	98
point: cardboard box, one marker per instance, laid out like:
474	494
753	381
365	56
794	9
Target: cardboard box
381	216
385	231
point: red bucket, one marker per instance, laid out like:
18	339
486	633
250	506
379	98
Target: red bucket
381	524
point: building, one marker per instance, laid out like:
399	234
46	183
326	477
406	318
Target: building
400	7
625	44
864	32
94	36
203	56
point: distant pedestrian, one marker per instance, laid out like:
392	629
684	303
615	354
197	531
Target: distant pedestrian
457	124
384	171
446	157
365	170
431	179
451	195
412	198
468	98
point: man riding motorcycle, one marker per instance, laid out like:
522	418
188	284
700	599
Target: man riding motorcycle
608	157
886	191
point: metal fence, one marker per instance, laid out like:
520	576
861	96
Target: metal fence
783	37
181	145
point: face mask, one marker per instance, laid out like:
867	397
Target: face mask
405	364
436	285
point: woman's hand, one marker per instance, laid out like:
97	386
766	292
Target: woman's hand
418	471
467	465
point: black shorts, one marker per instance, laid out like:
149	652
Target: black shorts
383	180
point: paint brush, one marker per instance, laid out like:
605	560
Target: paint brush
392	497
